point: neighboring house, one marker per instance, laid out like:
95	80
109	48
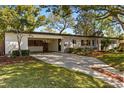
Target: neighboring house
45	42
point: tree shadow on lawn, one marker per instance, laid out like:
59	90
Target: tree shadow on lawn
37	74
114	60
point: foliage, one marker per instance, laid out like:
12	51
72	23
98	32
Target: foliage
119	49
113	13
69	50
121	36
49	30
114	50
60	18
87	24
90	20
105	43
100	19
16	53
20	19
87	20
1	37
79	51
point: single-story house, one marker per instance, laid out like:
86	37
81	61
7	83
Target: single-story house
46	42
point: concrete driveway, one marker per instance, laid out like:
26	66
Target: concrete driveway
80	63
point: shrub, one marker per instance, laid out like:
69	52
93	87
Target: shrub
116	49
121	50
16	53
25	52
79	51
69	50
73	50
112	50
105	43
87	51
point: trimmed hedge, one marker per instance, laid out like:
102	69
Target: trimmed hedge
16	53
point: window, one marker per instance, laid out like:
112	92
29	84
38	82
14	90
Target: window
114	42
66	43
74	41
88	42
93	42
82	43
35	43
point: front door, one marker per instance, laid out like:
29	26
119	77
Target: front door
59	44
45	47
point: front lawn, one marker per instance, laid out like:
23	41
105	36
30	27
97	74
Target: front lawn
114	60
37	74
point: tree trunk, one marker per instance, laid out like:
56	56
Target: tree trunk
19	49
19	42
63	27
61	31
121	23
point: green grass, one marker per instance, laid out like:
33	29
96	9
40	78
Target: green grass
37	74
114	60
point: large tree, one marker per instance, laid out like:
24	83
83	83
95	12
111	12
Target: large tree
109	17
86	24
89	18
60	18
20	19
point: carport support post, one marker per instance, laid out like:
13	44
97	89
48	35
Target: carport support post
99	44
62	45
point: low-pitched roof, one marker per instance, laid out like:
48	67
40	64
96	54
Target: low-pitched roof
45	33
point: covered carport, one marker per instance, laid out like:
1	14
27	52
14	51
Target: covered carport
43	45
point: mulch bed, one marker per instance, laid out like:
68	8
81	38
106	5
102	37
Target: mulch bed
101	53
96	53
110	74
7	60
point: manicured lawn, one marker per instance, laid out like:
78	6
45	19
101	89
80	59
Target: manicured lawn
114	60
35	73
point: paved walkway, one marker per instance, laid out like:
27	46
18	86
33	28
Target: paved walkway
80	63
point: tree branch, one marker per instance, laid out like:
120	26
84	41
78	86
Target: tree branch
121	23
106	15
64	26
